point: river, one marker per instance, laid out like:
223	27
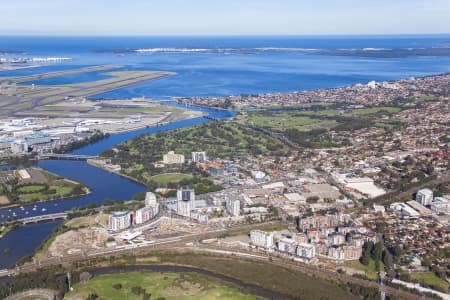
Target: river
103	184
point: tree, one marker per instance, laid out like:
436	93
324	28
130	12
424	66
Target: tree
365	258
377	251
85	277
388	263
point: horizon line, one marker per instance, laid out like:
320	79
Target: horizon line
222	35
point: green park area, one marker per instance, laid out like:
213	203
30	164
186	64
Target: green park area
170	178
149	285
309	126
369	270
303	119
191	276
218	139
281	121
41	186
309	286
430	279
45	192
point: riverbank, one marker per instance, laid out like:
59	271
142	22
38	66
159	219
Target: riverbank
101	164
35	185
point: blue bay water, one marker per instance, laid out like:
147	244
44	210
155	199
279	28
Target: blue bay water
217	74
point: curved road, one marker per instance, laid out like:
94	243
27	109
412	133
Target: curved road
38	294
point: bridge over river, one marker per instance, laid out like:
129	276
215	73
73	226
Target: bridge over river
55	156
43	218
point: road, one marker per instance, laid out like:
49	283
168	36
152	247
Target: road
43	294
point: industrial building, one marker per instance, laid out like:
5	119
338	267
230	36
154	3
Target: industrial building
424	197
405	210
419	208
441	205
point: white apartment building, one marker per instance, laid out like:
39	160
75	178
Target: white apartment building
150	201
119	221
172	158
233	207
336	253
336	239
199	157
306	251
143	215
185	202
261	238
424	197
288	246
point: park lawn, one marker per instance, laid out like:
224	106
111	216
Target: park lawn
370	269
427	98
167	285
35	197
375	110
29	189
281	121
62	190
170	177
430	278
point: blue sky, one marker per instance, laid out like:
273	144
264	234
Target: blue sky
226	17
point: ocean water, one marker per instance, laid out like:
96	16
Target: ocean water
231	65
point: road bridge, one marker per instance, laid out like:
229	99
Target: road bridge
43	218
54	156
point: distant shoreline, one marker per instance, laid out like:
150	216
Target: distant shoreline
343	93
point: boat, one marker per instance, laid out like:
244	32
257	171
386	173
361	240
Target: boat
44	209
